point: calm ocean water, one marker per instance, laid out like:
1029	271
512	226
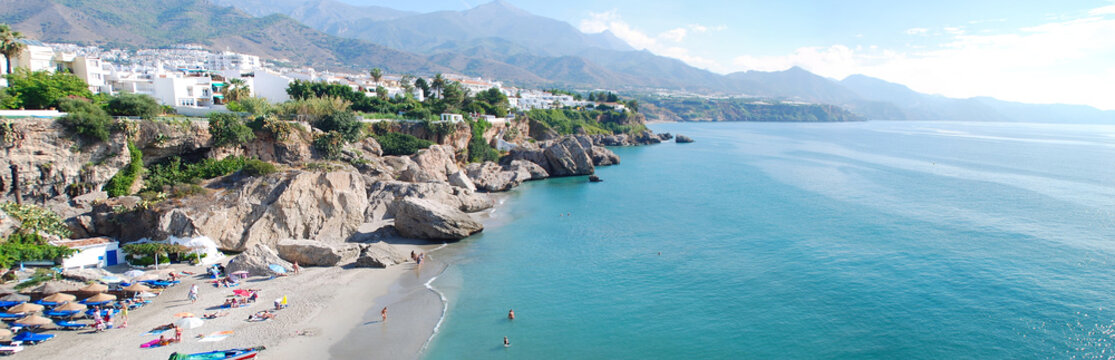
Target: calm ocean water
877	240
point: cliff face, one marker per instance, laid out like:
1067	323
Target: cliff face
458	137
44	161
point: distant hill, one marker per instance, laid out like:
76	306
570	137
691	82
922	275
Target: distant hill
159	23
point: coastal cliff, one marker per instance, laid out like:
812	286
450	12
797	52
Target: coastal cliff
365	195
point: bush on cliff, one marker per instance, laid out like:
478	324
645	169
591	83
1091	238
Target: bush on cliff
86	119
34	219
256	167
140	105
401	144
479	150
43	89
121	183
229	129
345	123
166	175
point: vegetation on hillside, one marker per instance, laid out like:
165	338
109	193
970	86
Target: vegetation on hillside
42	89
34	219
746	109
121	183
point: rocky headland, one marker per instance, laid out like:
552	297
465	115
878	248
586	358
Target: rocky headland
311	211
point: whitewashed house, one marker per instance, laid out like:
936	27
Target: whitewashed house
94	252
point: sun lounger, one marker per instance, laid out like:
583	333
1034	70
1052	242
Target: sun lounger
6	316
48	303
4	304
71	325
14	347
32	338
56	313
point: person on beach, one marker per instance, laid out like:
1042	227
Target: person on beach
506	343
193	293
296	267
413	256
511	314
383	314
124	316
177	334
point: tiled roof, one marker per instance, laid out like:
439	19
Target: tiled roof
77	243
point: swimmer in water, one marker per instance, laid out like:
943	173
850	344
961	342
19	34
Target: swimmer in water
511	314
506	343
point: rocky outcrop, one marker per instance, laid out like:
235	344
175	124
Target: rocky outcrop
8	225
647	137
425	219
437	161
541	132
316	253
665	136
256	260
601	156
535	171
407	170
162	139
594	178
380	255
682	139
490	177
382	197
44	161
455	135
327	207
569	156
461	180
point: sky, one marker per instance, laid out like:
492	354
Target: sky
1029	51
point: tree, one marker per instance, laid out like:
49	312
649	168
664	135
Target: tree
134	105
9	44
237	89
381	92
229	129
422	84
407	82
376	74
438	84
43	89
344	123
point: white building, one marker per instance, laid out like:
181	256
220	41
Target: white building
453	118
264	83
180	90
92	252
89	69
228	60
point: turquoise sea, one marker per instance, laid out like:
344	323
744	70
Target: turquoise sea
873	240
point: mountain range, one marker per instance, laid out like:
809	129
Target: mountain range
495	40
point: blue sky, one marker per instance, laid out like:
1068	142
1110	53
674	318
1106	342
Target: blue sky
1030	51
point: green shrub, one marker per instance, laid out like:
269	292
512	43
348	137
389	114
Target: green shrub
229	129
43	89
33	219
23	247
330	144
186	190
321	166
147	260
401	144
134	105
478	149
256	167
173	172
86	119
345	123
278	129
121	183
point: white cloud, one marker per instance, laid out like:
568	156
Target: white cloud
611	21
1065	61
916	31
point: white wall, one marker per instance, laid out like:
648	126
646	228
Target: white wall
93	256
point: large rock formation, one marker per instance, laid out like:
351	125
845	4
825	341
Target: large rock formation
521	167
425	219
325	207
380	255
490	177
161	139
601	156
44	161
256	260
437	161
569	156
682	139
316	253
382	197
461	180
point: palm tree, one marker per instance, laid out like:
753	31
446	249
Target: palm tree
438	84
237	90
9	44
376	74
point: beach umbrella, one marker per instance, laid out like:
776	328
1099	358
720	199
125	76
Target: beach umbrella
99	298
48	288
147	276
111	279
13	297
34	320
189	323
137	287
277	268
184	315
25	308
133	273
59	298
94	288
5	333
71	306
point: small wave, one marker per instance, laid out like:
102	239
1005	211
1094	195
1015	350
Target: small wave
444	302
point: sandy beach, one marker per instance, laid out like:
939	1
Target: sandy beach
326	305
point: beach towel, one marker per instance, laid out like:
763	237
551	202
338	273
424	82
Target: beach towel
216	336
150	344
155	332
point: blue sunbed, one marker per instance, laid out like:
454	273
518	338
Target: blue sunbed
94	303
48	303
57	313
159	283
68	325
4	304
28	337
7	316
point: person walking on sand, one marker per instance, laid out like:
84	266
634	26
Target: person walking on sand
124	316
383	313
297	268
511	314
193	293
